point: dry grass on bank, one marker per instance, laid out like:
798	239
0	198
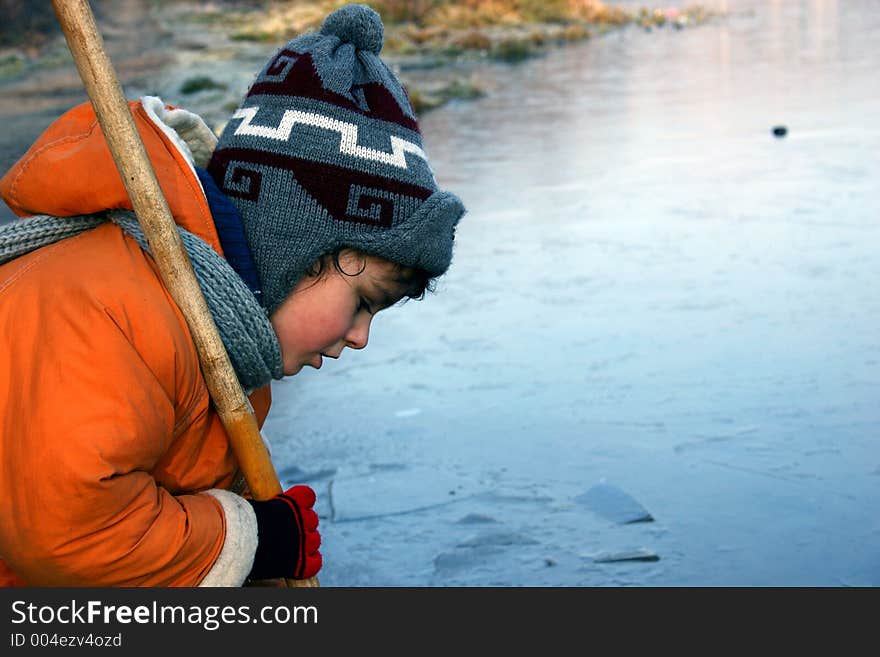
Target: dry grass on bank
465	14
446	26
508	30
422	34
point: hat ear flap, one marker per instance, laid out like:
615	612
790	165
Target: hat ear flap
425	238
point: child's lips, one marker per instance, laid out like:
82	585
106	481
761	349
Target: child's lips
318	360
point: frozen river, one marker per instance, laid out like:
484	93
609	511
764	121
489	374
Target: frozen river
650	292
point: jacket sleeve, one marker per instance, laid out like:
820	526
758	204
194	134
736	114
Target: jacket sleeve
85	421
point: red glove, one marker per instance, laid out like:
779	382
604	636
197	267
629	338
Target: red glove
287	536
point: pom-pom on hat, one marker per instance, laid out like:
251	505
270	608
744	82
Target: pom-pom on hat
358	25
325	152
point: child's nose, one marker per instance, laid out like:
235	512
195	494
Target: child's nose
359	334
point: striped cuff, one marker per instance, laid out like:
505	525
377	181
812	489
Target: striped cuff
240	544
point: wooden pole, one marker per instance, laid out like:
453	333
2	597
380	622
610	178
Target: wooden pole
154	216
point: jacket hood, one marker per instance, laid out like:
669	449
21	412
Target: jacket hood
69	170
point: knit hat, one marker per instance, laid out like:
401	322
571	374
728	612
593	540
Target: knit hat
325	153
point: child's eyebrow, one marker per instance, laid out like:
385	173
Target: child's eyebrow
386	297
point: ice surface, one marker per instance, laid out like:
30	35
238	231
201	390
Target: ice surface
647	287
396	491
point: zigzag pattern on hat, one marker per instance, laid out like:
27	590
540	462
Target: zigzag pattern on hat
331	186
348	133
300	79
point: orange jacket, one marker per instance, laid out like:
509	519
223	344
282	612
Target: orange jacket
109	441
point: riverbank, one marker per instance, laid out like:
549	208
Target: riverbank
434	46
204	54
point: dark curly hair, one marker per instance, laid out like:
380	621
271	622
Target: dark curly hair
414	281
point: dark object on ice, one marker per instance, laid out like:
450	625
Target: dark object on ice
780	131
614	504
641	554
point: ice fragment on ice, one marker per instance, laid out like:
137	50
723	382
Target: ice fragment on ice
498	538
614	504
458	559
475	519
640	554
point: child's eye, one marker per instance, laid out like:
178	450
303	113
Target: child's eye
365	305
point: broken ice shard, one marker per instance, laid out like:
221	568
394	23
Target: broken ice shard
614	504
641	554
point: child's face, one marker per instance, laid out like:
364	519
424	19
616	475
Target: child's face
322	316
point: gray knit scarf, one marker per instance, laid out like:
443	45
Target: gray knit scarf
241	321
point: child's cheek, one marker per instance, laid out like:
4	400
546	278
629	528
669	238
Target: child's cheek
330	327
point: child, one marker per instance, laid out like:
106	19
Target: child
114	467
